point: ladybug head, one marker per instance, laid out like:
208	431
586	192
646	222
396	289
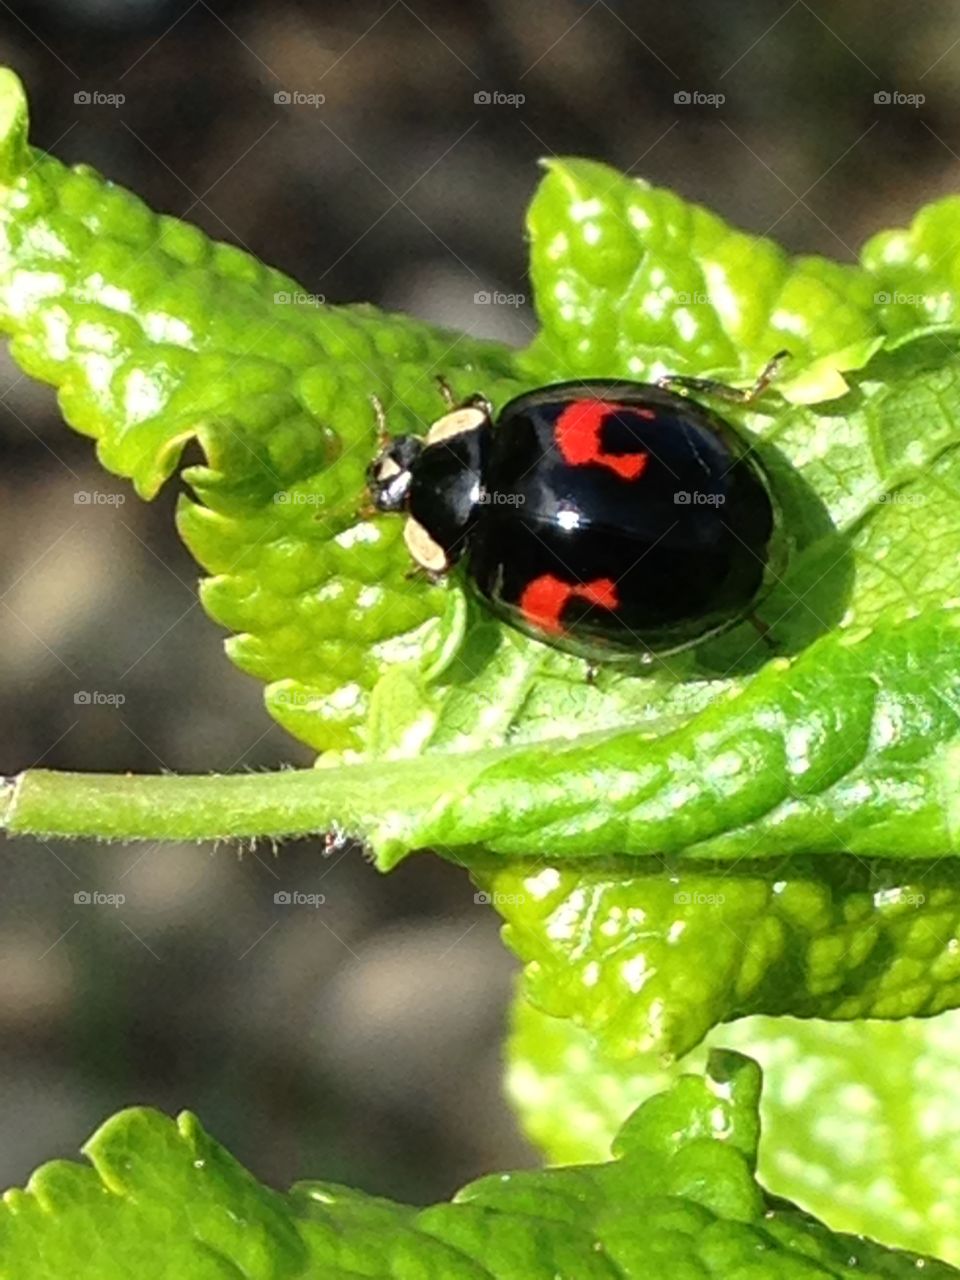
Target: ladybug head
390	473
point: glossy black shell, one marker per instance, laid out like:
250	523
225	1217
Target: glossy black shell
604	517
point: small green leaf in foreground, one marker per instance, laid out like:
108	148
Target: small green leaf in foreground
163	1200
859	1120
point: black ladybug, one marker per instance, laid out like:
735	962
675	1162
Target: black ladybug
605	518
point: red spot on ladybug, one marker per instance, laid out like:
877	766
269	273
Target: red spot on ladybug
544	599
578	437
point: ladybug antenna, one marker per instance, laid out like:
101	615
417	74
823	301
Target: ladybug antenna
449	399
383	430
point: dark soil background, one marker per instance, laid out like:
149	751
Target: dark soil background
361	1044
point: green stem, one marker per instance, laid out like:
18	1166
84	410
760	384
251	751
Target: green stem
291	802
382	804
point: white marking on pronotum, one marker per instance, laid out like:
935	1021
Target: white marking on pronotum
456	423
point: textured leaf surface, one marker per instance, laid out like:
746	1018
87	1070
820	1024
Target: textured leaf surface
156	336
680	1198
648	963
916	270
859	1122
632	274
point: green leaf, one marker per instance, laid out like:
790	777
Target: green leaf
162	1199
569	1095
886	1162
649	962
915	271
155	337
633	278
858	1121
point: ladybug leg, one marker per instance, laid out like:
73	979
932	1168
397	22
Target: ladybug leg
472	402
762	630
333	842
420	574
721	391
767	375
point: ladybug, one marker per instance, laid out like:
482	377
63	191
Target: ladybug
607	518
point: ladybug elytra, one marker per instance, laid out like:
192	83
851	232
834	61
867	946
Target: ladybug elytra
607	518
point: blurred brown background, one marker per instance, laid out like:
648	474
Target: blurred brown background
361	1042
